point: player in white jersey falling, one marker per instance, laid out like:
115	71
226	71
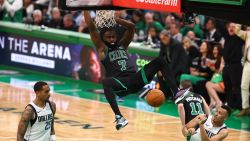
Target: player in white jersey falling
37	121
210	128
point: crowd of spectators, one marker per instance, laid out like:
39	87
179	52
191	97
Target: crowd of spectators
205	54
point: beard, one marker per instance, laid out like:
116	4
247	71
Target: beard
110	45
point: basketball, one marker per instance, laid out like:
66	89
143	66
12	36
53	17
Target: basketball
155	97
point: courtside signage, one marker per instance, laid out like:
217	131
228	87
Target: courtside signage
159	5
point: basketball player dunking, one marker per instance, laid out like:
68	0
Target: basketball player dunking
121	76
37	121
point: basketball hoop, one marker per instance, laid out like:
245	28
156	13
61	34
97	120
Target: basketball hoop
105	18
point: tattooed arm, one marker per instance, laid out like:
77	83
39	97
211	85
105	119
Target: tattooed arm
53	105
28	114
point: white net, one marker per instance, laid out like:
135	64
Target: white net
105	18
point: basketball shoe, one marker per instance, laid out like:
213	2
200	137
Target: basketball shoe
181	94
120	122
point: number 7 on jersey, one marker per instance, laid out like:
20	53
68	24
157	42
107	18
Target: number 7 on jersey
122	63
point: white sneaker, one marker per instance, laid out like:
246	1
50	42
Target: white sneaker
120	122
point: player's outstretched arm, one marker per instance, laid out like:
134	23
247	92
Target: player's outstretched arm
206	107
28	114
181	112
53	137
129	33
196	121
94	34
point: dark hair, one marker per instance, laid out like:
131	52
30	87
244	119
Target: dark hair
152	26
39	85
139	13
218	59
209	49
105	29
69	16
212	20
228	109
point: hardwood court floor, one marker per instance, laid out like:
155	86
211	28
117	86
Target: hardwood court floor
79	119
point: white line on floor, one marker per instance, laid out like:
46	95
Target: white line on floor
167	122
70	90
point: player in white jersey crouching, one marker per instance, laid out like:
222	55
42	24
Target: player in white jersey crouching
210	128
37	121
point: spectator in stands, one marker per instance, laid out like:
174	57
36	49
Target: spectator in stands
179	18
152	36
245	83
199	70
169	20
37	18
12	10
173	52
195	41
56	20
200	19
212	34
191	51
149	20
216	85
137	19
69	23
28	8
77	15
232	71
175	32
123	14
45	14
195	27
49	3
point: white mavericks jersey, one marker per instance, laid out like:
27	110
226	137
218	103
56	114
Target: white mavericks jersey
39	129
211	131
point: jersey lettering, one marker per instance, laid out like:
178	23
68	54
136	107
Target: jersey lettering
45	118
117	54
209	134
